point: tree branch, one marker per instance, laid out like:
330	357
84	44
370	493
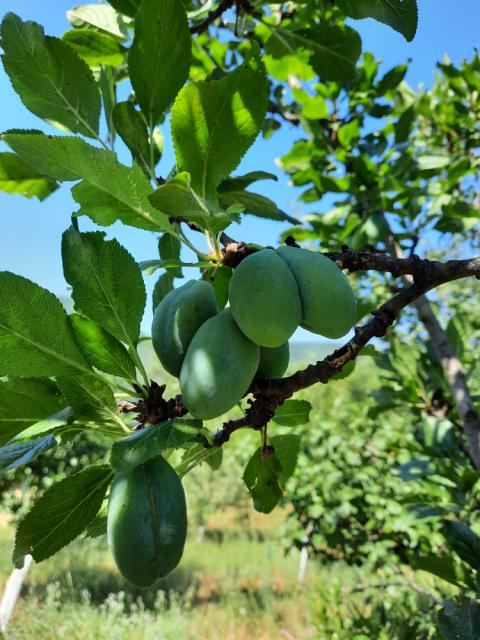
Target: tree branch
201	27
451	366
267	395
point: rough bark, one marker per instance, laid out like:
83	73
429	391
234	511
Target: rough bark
451	365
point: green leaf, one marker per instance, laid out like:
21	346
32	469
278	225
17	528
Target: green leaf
89	397
17	177
401	15
107	284
177	198
456	335
429	163
151	441
254	204
35	336
287	448
238	183
445	567
220	279
110	191
464	542
127	7
335	50
131	127
97	527
214	123
404	125
94	47
293	413
391	79
50	78
163	285
459	619
159	59
61	514
262	479
169	249
346	371
23	402
349	134
16	455
215	460
98	16
51	424
101	349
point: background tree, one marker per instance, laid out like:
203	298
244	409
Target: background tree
225	66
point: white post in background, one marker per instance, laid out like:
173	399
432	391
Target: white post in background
12	591
302	568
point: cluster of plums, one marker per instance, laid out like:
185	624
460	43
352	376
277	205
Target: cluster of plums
216	354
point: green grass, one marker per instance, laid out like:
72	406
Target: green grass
237	589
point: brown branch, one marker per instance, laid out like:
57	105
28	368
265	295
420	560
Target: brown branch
201	27
269	394
452	367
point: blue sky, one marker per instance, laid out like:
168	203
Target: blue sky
30	231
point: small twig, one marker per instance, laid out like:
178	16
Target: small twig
201	27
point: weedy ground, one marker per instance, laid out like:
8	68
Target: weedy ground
231	590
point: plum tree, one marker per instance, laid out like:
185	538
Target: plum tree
298	63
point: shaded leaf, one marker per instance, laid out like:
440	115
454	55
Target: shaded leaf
287	448
127	7
131	127
24	402
169	249
335	50
262	479
459	619
151	441
445	567
163	285
16	455
97	527
293	413
220	280
401	15
61	514
391	79
464	542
